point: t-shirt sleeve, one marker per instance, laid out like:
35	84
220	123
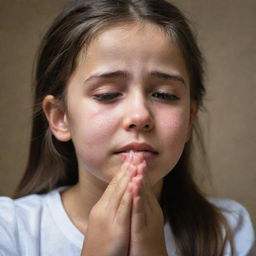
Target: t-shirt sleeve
242	230
8	228
241	225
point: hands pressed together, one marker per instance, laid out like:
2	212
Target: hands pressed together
127	220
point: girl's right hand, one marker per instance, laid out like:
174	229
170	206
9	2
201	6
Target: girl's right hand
108	230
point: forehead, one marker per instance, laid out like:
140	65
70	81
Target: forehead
126	36
135	46
133	32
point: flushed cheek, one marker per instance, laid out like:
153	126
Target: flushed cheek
95	125
171	131
174	130
173	126
92	134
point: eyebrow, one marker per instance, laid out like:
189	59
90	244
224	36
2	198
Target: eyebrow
114	74
126	75
167	76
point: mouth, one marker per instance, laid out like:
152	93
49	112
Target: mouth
144	149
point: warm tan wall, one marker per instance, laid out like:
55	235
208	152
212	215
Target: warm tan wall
227	35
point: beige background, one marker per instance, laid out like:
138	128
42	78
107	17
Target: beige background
227	35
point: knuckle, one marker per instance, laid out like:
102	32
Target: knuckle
113	183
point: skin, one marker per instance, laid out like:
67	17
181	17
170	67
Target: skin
104	113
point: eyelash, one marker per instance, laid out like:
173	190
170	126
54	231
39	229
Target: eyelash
108	97
166	96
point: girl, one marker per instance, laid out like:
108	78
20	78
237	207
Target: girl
117	89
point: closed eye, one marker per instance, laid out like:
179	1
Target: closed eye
165	96
106	96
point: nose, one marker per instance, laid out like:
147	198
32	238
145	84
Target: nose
138	117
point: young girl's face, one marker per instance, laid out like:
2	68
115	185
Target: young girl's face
130	91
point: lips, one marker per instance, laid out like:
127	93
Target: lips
139	148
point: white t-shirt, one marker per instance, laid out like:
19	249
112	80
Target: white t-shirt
38	225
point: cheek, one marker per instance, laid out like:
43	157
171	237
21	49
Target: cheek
92	130
93	125
174	124
97	129
172	129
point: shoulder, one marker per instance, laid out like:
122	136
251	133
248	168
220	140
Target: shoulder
236	214
7	213
11	209
240	223
17	219
23	207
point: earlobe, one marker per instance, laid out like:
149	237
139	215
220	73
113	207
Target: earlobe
57	119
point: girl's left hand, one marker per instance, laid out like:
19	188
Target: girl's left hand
147	222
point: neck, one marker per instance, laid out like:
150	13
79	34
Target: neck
79	199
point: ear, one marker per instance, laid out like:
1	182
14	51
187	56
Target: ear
192	118
57	118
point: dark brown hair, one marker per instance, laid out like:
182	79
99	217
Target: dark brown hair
197	225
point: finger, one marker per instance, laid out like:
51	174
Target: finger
146	189
150	196
123	214
138	214
137	158
144	193
136	185
140	177
116	188
141	167
152	206
120	174
124	166
119	189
